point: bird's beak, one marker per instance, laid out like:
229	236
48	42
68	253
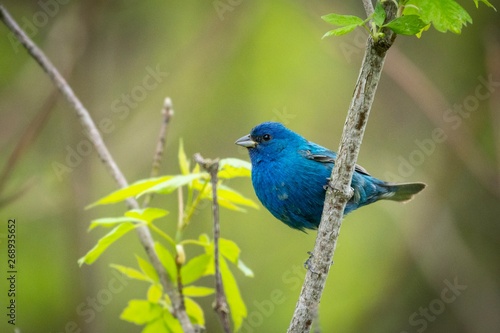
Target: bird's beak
246	141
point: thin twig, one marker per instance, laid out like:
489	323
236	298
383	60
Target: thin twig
167	113
221	307
105	156
339	191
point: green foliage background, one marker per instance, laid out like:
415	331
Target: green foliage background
229	69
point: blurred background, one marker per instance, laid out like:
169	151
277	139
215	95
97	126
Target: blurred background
431	265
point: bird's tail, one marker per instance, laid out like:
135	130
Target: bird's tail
402	192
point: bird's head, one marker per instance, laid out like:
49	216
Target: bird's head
269	139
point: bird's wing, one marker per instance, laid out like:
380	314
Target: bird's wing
323	155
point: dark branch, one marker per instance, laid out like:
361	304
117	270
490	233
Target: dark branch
221	307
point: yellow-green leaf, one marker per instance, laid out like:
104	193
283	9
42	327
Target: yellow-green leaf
147	269
156	326
194	311
155	293
171	322
229	249
147	214
245	269
105	242
167	260
173	183
141	312
131	272
196	268
227	193
108	222
183	160
129	191
234	167
196	291
234	299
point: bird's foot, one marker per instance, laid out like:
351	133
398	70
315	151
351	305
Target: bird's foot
308	263
348	192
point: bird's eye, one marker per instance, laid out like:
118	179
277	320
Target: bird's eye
266	137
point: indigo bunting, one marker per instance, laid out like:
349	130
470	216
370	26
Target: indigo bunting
290	174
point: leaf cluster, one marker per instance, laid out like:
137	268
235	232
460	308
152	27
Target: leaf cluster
156	312
413	18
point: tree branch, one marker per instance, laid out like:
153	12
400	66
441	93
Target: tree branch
221	307
368	5
339	191
105	156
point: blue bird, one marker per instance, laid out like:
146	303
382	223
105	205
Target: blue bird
290	174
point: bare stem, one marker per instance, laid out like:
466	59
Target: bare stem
339	191
167	113
221	307
104	155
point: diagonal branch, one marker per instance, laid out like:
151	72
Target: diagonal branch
220	306
87	122
339	191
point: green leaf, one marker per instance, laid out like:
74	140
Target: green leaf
245	269
167	260
196	268
141	312
108	222
347	22
194	311
342	20
443	14
340	31
129	191
131	272
147	214
183	160
155	293
147	269
105	242
234	299
379	14
195	291
171	322
173	183
406	25
228	195
486	2
234	167
156	326
229	249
